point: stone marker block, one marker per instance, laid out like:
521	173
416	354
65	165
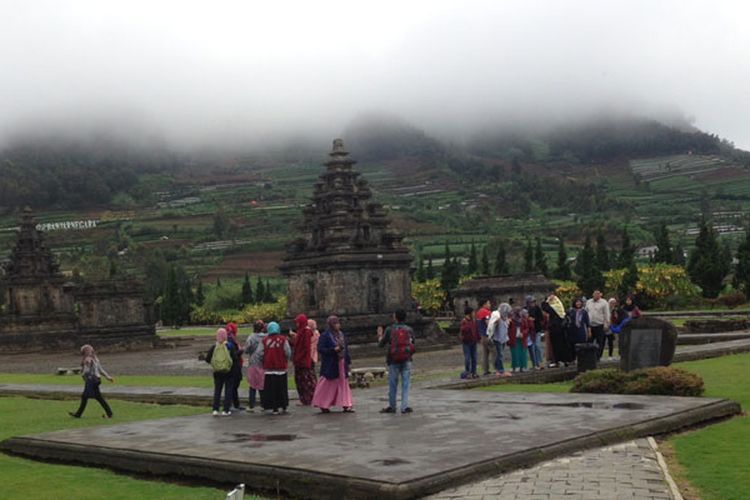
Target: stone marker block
647	342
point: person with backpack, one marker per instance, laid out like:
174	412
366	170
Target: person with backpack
222	356
236	374
399	337
333	385
255	374
92	371
275	352
469	339
304	375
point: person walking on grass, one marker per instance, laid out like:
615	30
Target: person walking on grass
599	316
255	374
399	337
222	356
333	385
92	372
469	339
304	375
275	352
483	319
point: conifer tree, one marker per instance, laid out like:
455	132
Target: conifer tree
706	265
260	291
247	291
501	265
664	251
473	263
485	268
589	276
528	257
562	272
430	272
268	297
199	295
540	260
629	281
420	272
678	258
602	254
627	253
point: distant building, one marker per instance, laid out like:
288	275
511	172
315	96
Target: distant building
499	289
43	310
647	252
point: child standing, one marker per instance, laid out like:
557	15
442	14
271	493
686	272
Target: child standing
92	371
469	339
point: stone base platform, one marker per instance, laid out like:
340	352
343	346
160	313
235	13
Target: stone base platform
452	437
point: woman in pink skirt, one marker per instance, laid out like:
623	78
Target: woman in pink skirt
333	384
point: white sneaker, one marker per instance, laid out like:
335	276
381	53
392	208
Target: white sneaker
611	358
226	413
215	413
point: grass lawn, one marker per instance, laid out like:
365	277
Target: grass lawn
130	380
715	459
22	478
192	331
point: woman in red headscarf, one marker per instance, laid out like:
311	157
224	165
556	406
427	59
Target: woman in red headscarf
304	375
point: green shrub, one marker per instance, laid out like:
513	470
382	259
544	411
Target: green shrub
660	380
732	299
608	381
665	381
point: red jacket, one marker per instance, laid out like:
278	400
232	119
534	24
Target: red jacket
469	332
301	348
274	357
524	332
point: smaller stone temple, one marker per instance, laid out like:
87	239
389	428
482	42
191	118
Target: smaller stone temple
350	261
43	309
499	289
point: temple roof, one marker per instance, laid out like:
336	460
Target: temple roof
30	257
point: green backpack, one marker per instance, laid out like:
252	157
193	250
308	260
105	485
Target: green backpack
221	362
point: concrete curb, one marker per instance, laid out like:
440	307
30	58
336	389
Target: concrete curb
674	491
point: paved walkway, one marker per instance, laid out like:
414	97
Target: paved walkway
624	471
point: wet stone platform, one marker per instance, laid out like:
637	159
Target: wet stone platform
453	437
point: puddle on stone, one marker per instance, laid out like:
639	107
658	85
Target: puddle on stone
579	404
265	437
628	406
390	461
510	417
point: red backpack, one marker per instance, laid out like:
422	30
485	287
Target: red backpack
401	345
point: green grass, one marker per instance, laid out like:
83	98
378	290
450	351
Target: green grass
193	331
22	478
512	387
716	459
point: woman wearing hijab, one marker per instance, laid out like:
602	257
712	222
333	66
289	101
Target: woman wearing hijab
276	353
222	356
497	330
333	384
518	338
579	330
314	342
92	371
255	374
235	376
554	308
304	376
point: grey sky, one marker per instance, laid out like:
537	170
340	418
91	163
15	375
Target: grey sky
203	73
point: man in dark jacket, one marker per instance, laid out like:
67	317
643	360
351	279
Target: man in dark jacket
399	337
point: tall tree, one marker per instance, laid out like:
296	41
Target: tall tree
678	258
268	297
419	275
602	254
664	251
485	267
170	306
540	260
627	253
590	278
430	272
473	261
562	272
528	257
629	281
247	291
742	271
706	266
501	264
200	297
260	291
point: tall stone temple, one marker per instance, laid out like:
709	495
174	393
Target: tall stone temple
350	261
43	309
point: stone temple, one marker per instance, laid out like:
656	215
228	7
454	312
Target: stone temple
43	309
350	261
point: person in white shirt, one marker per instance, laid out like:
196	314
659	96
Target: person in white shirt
599	316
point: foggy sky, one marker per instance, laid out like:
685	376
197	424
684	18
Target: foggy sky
242	73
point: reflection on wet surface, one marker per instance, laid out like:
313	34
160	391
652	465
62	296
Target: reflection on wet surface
390	461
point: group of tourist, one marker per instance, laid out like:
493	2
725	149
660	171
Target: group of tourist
540	334
269	353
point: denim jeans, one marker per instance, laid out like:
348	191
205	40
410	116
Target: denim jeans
394	371
470	358
499	356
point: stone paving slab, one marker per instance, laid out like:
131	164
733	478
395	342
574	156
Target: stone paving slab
453	437
626	470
